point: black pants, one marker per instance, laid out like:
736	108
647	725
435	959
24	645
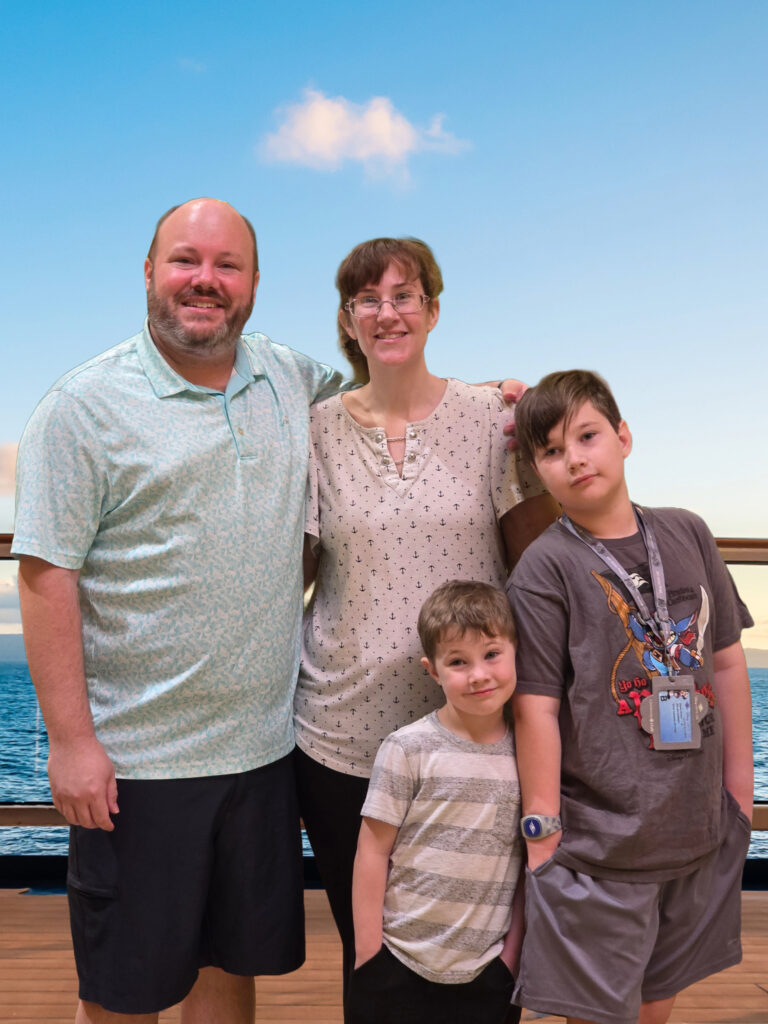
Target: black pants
385	991
330	803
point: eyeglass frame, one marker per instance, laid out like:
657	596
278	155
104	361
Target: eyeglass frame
347	306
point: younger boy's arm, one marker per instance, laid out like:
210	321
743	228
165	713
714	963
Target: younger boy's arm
735	702
513	942
369	882
538	748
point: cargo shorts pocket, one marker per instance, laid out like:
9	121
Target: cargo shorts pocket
92	868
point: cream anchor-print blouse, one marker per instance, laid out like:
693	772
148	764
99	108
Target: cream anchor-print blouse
384	542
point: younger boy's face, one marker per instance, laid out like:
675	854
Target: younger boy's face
475	671
582	465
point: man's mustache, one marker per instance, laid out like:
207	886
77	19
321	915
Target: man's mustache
201	292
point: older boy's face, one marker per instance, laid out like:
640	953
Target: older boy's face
582	465
476	672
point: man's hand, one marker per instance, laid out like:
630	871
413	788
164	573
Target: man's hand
83	783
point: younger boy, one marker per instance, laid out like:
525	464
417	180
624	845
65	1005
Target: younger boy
633	729
439	854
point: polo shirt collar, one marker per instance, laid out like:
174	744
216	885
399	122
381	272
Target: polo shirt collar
166	381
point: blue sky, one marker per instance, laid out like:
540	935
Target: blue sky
591	176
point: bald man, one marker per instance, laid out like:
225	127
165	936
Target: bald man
159	525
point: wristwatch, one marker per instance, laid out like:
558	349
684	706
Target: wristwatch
537	826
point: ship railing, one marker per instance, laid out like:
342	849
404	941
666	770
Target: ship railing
735	551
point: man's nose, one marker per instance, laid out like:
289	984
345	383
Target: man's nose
205	275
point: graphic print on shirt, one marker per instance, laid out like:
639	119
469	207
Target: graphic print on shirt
644	650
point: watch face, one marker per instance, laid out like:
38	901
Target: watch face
532	828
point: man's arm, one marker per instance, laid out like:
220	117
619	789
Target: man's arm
539	755
524	522
369	882
735	702
81	774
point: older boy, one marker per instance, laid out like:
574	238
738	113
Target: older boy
633	728
438	857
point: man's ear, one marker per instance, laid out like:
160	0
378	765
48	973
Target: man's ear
255	285
147	272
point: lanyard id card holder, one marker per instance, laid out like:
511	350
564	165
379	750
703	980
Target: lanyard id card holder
673	713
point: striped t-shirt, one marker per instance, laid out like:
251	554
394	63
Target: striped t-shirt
456	860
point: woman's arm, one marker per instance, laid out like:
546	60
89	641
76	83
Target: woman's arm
369	883
309	561
523	524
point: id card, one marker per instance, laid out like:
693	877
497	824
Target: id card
673	712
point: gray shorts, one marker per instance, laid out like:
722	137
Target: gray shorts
596	948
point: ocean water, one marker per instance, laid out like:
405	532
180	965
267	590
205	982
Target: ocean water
24	753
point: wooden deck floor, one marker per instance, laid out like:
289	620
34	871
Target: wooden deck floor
37	974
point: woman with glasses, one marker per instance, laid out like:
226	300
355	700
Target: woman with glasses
410	484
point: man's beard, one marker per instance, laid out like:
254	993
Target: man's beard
167	325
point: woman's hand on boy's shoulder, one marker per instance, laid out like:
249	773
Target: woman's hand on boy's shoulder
512	391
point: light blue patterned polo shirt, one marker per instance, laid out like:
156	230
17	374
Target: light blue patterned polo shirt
183	509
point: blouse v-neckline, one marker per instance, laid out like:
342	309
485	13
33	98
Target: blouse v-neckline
416	451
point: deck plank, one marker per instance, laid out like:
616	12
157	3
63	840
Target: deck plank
38	982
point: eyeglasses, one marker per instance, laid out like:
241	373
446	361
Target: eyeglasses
369	305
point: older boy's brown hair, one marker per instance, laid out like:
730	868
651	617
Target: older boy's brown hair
556	397
366	264
464	606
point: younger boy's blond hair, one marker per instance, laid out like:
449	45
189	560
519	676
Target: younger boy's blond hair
557	397
458	607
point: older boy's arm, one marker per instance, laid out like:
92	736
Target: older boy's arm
735	702
369	882
513	942
537	744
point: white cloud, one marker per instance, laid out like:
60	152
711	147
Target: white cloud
7	467
323	132
187	64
